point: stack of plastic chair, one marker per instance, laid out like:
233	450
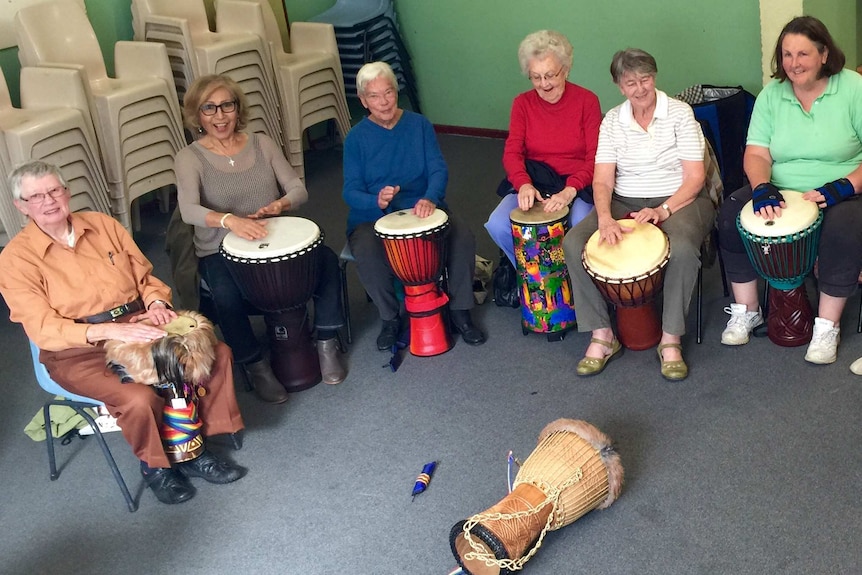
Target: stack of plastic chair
308	77
53	125
367	31
197	51
136	114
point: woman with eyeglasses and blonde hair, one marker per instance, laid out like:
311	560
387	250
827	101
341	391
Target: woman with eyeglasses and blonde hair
553	134
230	181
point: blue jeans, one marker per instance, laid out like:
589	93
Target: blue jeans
500	228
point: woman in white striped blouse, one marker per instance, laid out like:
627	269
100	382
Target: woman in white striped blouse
649	163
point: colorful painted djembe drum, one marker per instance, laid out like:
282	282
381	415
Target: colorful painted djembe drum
543	277
783	252
630	275
278	274
178	367
415	248
573	470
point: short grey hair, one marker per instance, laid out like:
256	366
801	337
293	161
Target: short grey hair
632	60
33	169
540	44
372	71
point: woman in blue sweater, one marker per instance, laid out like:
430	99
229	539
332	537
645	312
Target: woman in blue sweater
392	162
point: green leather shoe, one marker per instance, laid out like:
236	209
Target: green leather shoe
595	365
672	370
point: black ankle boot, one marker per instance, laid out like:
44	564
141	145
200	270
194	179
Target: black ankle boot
469	333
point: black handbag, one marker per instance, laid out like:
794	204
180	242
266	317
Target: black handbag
544	179
505	282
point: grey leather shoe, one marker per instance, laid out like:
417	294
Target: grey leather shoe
267	387
331	367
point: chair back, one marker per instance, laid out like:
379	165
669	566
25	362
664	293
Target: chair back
43	378
58	32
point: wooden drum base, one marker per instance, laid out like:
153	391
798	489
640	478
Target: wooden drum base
292	353
638	328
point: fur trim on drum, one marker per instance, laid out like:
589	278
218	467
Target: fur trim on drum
602	443
185	355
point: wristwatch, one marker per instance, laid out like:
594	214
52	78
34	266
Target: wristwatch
667	208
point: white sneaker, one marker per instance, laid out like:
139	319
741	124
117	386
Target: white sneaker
740	324
824	342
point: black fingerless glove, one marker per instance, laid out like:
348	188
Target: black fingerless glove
837	191
766	194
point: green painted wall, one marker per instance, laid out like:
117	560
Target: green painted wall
465	53
840	16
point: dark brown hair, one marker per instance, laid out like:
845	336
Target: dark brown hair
816	31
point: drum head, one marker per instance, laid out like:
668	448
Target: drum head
797	216
639	252
287	235
537	215
404	223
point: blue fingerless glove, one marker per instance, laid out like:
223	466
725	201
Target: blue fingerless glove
766	194
837	191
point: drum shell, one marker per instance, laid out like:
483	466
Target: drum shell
179	451
547	305
278	283
783	260
417	259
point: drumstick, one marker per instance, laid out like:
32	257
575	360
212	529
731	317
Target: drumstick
424	479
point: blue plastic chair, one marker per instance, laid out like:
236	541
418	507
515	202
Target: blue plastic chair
79	403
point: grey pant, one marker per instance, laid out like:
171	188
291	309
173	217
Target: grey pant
685	229
377	277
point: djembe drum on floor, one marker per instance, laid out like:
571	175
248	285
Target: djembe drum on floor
277	274
415	248
543	277
573	470
783	252
630	275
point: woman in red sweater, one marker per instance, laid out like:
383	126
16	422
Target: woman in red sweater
553	134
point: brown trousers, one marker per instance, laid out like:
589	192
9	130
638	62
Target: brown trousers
137	407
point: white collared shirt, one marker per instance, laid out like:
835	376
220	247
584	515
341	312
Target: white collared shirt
649	161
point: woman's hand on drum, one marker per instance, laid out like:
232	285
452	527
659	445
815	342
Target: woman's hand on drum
246	228
773	212
424	208
271	209
527	195
560	200
816	197
611	231
385	195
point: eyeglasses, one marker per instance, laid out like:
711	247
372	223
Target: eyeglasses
225	107
55	193
535	78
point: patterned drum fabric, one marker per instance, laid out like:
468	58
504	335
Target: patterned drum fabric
543	277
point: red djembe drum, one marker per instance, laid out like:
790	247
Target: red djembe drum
178	367
415	248
630	275
278	274
783	252
573	470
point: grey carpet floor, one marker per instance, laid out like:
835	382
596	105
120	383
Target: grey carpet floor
748	466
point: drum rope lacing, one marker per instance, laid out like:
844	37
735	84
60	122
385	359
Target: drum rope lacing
552	497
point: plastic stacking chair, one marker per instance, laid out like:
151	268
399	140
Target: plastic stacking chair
79	404
308	77
53	125
367	31
195	50
139	101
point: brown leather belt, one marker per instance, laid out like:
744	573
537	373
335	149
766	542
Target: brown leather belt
114	314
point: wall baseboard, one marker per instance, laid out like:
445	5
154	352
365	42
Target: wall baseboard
474	132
